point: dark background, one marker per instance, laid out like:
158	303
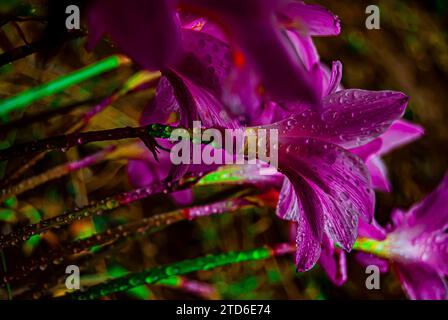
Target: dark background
409	53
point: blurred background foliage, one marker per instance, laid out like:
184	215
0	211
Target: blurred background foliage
409	53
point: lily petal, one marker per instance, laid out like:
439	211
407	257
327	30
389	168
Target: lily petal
333	262
434	250
199	104
206	61
142	173
421	282
359	116
309	226
288	204
163	106
378	172
271	56
335	78
367	150
350	118
145	172
310	19
432	211
340	180
371	230
155	47
400	133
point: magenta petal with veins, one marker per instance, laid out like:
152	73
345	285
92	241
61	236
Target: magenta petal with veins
416	245
146	31
251	25
327	189
333	262
400	133
312	157
350	118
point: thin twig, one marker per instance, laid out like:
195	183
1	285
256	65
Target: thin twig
129	231
146	133
139	81
27	97
154	275
54	173
97	208
29	49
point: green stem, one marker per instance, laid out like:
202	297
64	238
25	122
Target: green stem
156	274
27	97
132	230
375	247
